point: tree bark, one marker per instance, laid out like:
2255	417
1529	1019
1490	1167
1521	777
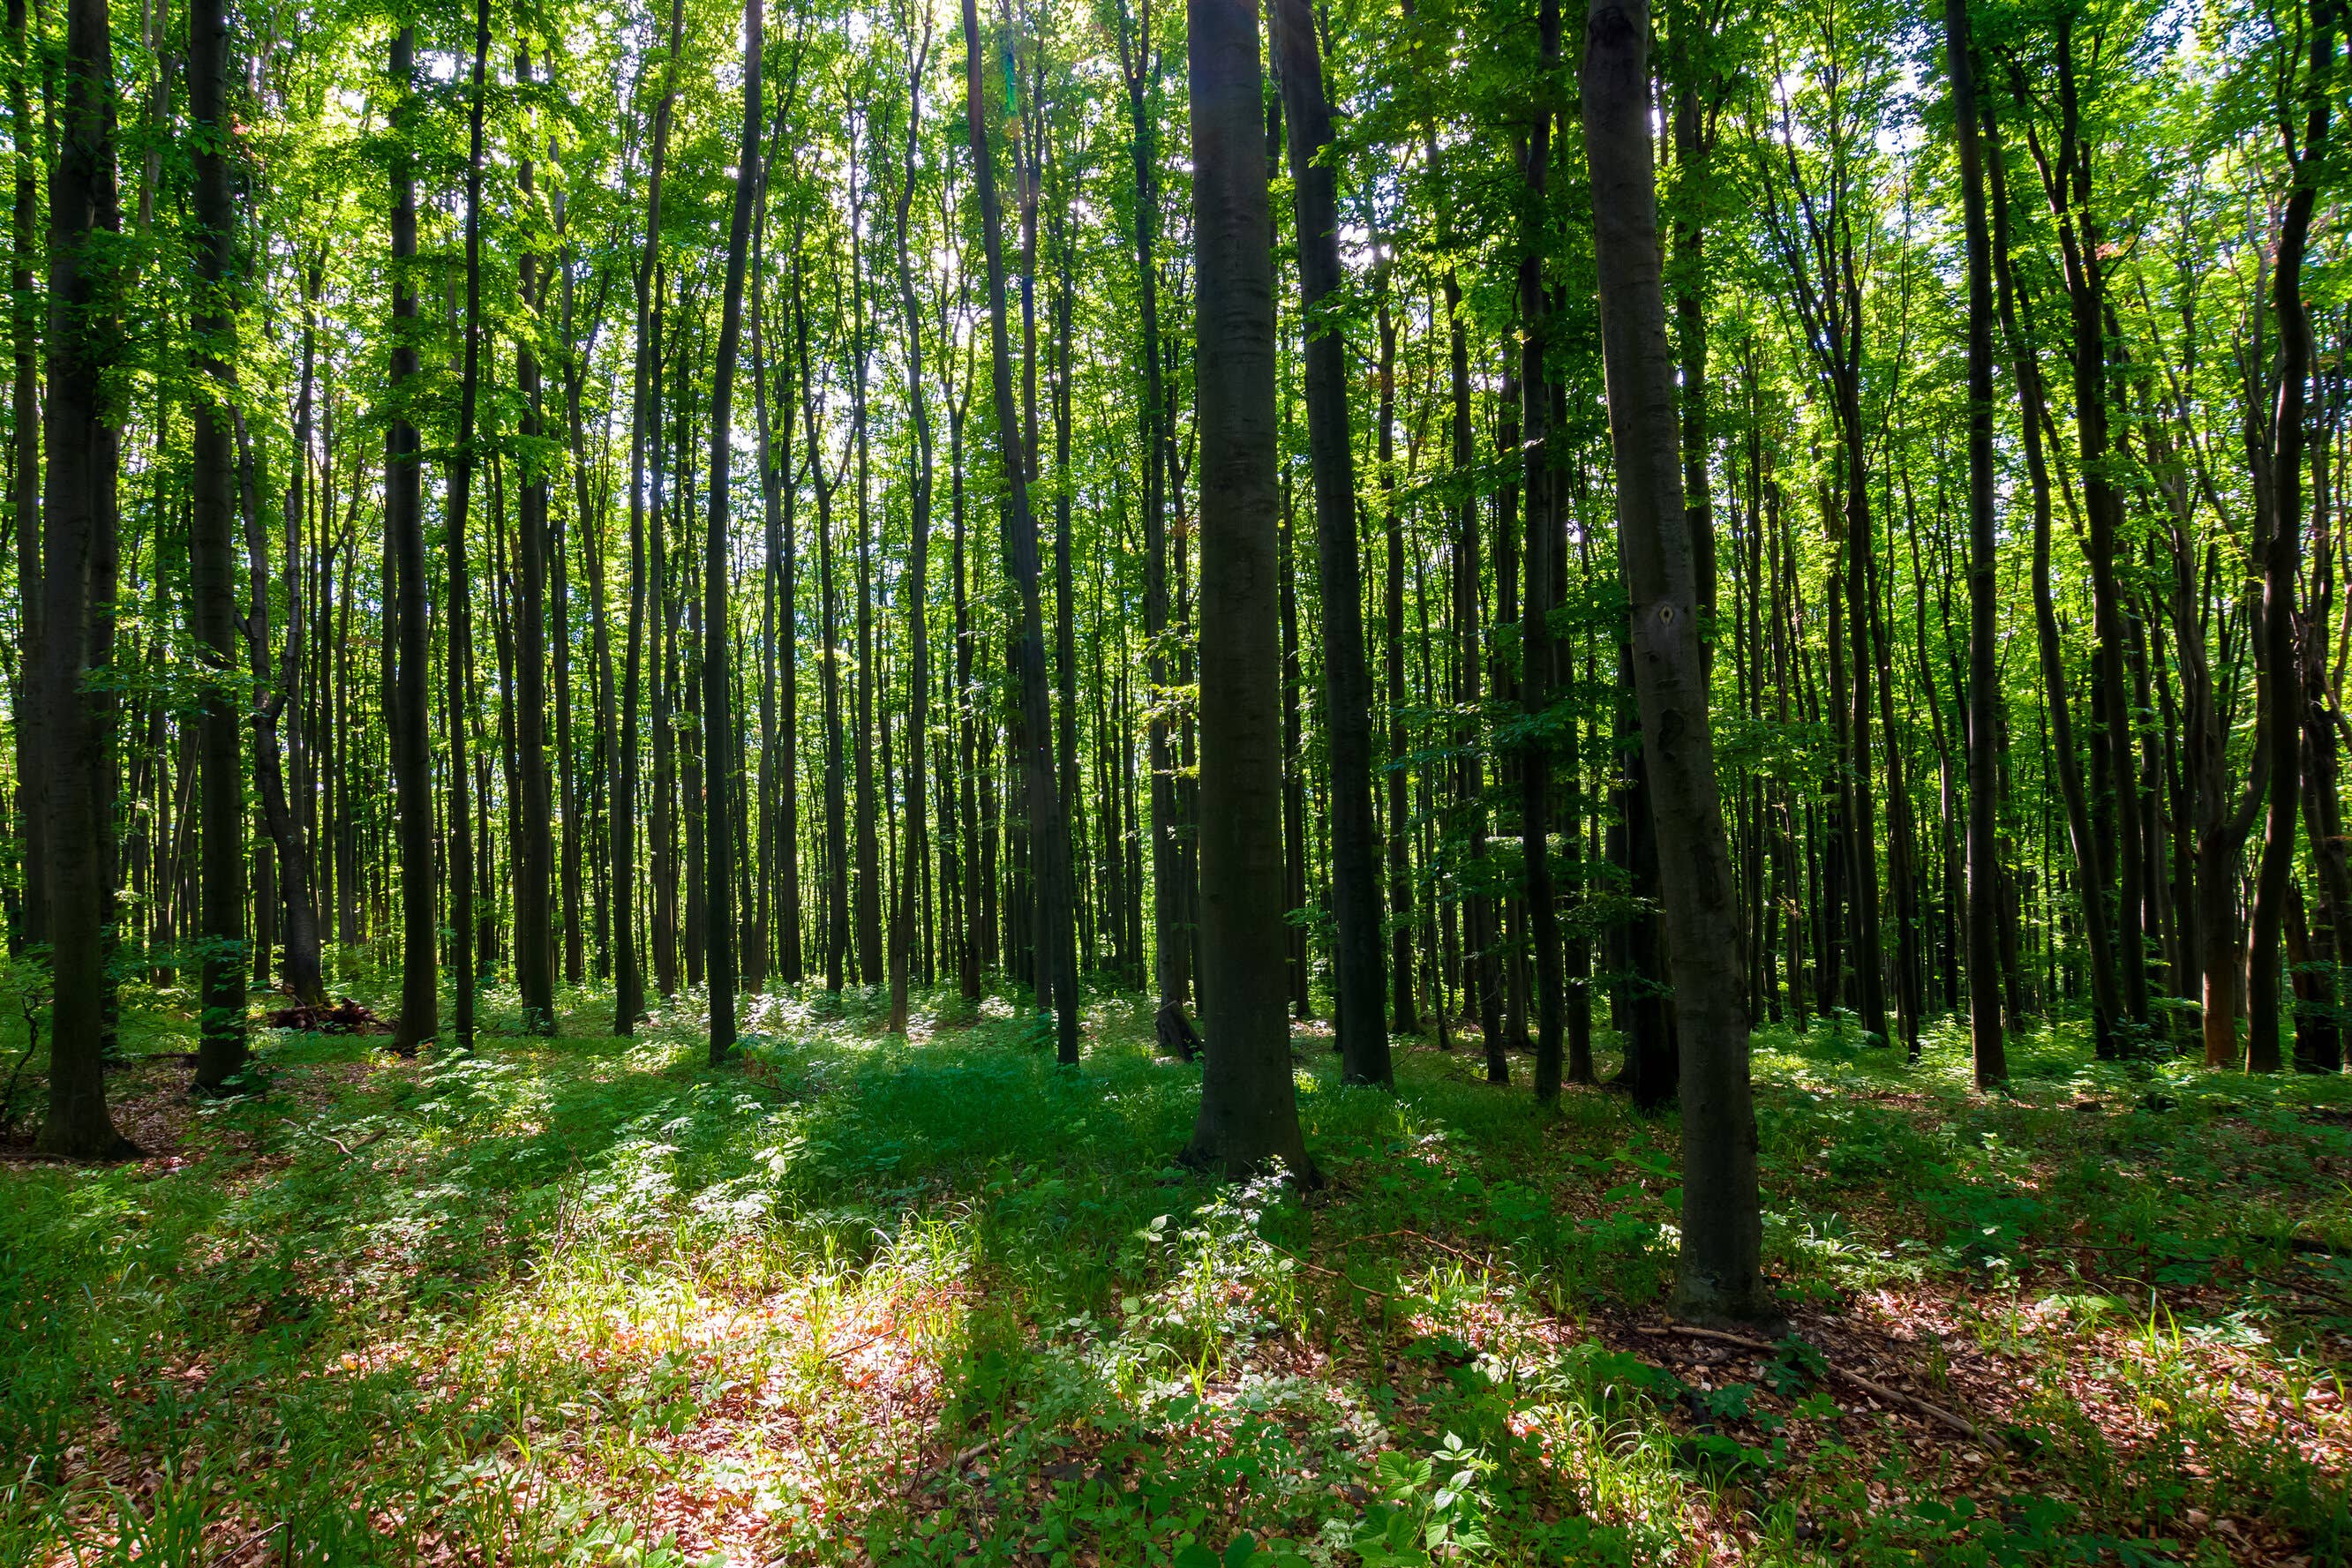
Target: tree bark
1988	1053
1359	984
2280	686
719	734
404	505
32	759
1138	67
533	865
221	1029
458	653
629	983
1720	1274
79	517
1535	616
1057	957
1249	1112
919	635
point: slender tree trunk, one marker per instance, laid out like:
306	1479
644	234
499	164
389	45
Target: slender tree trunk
1138	64
457	654
2279	689
779	754
1403	1013
629	984
1361	1006
2105	1004
1535	617
718	736
1048	834
221	1030
919	635
1720	1275
533	868
1990	1058
411	760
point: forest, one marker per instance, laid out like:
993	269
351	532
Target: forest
1270	784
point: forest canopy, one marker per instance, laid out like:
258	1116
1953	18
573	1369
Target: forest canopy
1387	781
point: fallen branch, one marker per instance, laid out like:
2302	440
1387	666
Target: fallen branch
2301	1289
1429	1240
347	1150
956	1462
1878	1390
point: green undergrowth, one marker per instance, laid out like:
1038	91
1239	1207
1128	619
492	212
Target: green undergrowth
854	1298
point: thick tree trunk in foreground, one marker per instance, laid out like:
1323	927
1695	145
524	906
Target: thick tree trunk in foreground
1362	1006
78	504
719	736
1249	1109
1720	1275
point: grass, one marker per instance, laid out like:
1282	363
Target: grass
864	1299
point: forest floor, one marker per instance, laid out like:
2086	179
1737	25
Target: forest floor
853	1298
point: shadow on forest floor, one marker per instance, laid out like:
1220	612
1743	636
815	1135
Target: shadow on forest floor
585	1300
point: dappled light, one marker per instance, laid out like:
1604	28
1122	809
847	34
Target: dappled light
867	1298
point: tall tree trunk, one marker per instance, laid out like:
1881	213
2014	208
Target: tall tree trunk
975	897
718	736
304	974
1989	1054
1057	953
1140	68
457	654
1535	616
533	868
1720	1275
1249	1110
919	635
2083	244
1404	1015
221	1030
79	515
778	753
404	506
1361	1006
2105	1004
2280	688
629	983
32	759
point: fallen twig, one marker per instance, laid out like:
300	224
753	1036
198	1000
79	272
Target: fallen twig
1430	1241
2300	1288
956	1462
347	1150
1893	1396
